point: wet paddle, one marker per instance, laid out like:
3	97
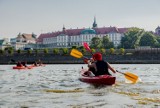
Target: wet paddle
86	46
77	54
130	76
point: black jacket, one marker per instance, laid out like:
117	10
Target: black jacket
102	68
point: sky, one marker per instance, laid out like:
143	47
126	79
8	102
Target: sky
43	16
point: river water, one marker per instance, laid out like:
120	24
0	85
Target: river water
57	86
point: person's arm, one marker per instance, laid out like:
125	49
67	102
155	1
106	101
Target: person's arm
92	65
112	69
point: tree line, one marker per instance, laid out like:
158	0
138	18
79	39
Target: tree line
133	38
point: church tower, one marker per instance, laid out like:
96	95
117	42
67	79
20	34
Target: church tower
94	23
64	29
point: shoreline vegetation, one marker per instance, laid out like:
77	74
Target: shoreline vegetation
62	56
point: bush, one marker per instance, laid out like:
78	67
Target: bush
65	50
19	51
93	50
122	51
55	51
46	51
74	47
83	51
112	50
29	51
103	51
10	51
1	51
36	51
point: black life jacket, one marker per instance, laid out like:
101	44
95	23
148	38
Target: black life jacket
102	68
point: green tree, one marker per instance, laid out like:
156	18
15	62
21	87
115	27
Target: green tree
93	50
46	51
1	51
112	50
131	38
29	51
103	51
83	50
65	50
158	39
8	48
81	47
106	43
122	51
110	45
96	42
36	51
148	39
19	51
10	51
74	47
55	51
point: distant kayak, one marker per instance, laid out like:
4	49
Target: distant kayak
102	79
22	67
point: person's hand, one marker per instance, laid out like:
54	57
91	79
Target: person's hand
89	62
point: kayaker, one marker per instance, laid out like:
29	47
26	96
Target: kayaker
24	63
40	62
19	64
91	70
101	67
35	63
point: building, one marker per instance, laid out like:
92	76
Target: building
157	31
24	40
72	37
4	43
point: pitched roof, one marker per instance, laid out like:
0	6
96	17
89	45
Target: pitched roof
26	36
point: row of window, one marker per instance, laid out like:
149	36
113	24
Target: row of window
113	37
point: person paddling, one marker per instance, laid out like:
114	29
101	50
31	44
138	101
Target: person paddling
40	62
35	63
24	63
101	67
19	64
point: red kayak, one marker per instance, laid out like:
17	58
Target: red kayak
102	79
22	67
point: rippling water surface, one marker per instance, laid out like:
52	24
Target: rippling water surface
57	86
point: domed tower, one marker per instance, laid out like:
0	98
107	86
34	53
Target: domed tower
94	23
64	29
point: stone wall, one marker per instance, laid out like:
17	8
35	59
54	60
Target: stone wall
67	59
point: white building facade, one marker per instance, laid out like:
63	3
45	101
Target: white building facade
76	37
24	41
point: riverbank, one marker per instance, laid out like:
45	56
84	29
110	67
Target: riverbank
67	59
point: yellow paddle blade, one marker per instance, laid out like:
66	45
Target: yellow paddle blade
76	53
130	76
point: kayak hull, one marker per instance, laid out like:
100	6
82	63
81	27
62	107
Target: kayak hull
100	80
22	67
19	67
